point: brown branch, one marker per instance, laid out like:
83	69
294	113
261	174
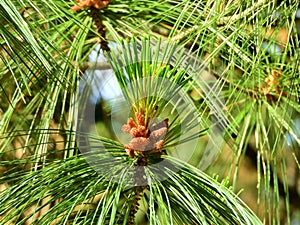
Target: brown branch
100	28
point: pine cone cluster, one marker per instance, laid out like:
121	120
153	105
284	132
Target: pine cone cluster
98	4
144	140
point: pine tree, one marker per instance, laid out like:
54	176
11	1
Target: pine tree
145	112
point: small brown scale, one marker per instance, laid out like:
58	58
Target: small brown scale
273	87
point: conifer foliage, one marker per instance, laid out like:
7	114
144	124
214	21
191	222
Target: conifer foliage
200	89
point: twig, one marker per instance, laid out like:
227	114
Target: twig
221	21
95	66
234	18
100	28
251	92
